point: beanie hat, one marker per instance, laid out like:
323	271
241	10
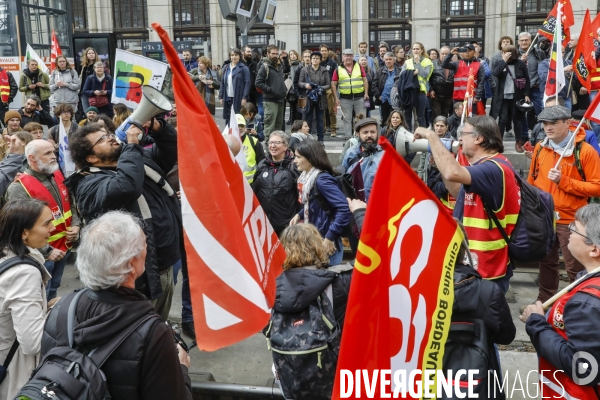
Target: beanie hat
94	109
11	114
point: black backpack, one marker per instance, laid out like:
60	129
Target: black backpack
305	348
5	266
68	372
467	347
534	234
344	182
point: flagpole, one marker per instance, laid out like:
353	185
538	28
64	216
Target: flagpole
532	43
558	44
18	37
571	141
548	303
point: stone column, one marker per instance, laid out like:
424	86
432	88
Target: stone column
222	34
287	24
161	11
495	28
360	23
100	16
426	23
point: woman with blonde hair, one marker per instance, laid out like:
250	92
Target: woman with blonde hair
121	113
88	58
307	287
207	82
423	68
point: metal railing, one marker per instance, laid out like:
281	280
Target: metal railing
204	387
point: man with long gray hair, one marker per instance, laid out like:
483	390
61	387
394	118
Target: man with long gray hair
146	365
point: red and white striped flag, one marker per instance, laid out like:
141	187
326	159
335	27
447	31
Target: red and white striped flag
556	81
55	51
593	111
233	254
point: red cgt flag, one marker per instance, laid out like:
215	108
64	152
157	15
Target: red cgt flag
567	20
233	254
55	51
583	62
400	303
470	94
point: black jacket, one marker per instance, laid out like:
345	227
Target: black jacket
379	81
500	71
298	287
497	318
453	66
146	365
438	83
99	190
41	117
453	124
275	186
330	65
253	69
408	88
272	82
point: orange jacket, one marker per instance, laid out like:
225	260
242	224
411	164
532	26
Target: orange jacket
571	193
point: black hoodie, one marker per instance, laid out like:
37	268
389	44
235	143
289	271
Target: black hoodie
146	365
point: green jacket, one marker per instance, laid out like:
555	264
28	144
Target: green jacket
25	81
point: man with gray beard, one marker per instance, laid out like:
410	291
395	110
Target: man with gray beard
43	180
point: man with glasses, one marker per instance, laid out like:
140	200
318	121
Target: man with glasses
570	186
43	180
270	80
488	179
113	176
566	339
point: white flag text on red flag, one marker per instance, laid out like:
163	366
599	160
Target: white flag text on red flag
55	51
233	254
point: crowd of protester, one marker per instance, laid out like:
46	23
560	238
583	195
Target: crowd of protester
126	219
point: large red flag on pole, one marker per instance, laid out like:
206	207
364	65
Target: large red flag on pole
567	20
55	51
233	254
400	303
583	62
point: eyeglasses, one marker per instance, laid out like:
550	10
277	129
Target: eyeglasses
467	133
573	228
277	143
106	137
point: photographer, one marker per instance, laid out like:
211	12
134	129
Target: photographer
147	365
129	177
253	148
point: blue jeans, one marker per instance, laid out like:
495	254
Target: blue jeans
56	269
259	105
186	298
537	97
227	106
314	108
336	258
595	125
421	103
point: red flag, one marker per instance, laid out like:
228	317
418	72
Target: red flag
55	51
583	62
233	254
567	20
593	111
555	80
400	302
470	93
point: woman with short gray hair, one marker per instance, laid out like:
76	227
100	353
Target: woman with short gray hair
98	89
110	259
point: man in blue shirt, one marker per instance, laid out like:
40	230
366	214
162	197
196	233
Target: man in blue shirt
383	84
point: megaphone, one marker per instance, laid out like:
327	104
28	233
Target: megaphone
406	143
153	103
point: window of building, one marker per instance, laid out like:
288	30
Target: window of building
462	7
385	9
191	12
79	15
528	6
392	35
321	10
37	22
455	35
313	37
130	14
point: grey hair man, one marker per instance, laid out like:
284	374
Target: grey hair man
110	259
43	180
573	320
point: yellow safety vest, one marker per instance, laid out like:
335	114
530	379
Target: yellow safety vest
350	84
250	169
425	62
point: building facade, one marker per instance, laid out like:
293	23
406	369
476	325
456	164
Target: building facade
305	24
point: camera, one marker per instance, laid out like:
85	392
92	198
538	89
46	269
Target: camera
249	127
462	49
176	331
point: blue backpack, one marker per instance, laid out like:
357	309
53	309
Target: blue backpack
534	233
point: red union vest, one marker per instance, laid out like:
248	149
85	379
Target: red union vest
485	238
448	202
557	384
461	77
62	219
4	86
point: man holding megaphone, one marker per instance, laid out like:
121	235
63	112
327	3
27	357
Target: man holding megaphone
489	178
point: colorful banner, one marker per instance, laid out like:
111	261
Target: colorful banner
567	20
555	81
67	166
400	303
133	71
233	253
